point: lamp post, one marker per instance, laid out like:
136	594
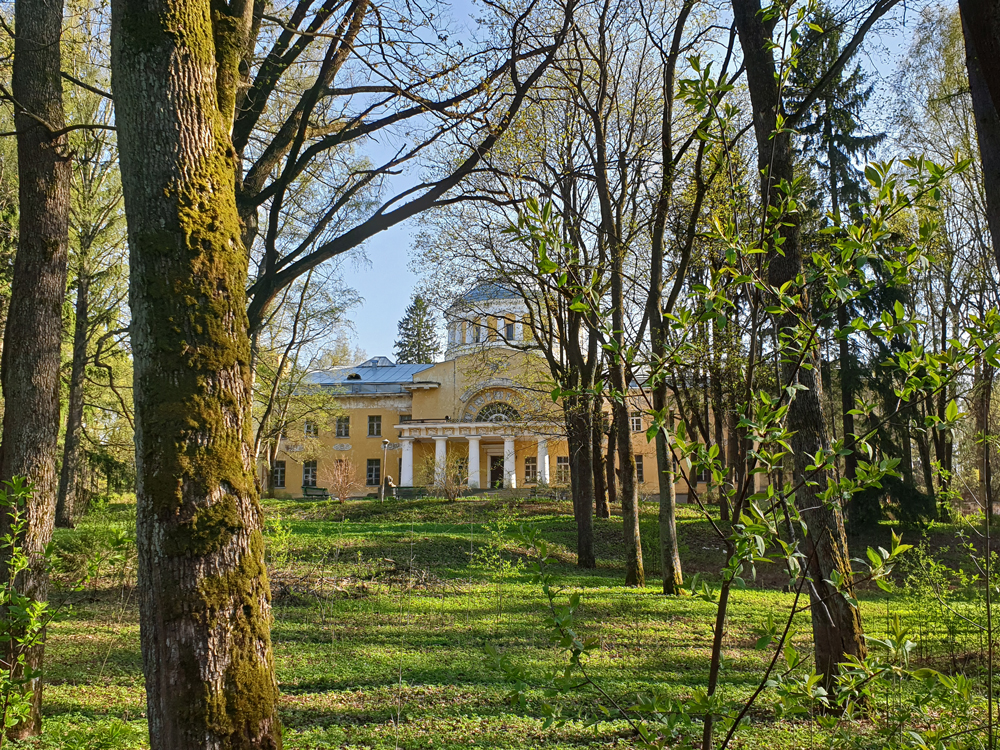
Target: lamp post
381	489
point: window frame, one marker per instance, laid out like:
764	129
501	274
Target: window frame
509	330
635	418
640	469
562	470
310	428
278	470
531	469
307	467
376	480
375	420
344	427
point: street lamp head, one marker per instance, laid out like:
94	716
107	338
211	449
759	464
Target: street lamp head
385	442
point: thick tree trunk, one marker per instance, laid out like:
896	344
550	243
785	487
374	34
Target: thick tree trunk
204	603
33	333
581	474
601	507
981	21
837	629
68	478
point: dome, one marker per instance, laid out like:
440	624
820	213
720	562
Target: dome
488	314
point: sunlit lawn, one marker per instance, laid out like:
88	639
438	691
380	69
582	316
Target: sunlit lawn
382	618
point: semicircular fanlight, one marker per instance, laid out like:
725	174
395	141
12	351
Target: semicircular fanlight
497	412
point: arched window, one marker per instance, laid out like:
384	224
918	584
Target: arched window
497	412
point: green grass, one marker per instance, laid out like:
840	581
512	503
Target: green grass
382	618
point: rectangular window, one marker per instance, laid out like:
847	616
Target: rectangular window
373	476
640	476
530	469
343	426
279	474
635	421
508	330
562	469
309	474
477	332
404	418
374	425
311	429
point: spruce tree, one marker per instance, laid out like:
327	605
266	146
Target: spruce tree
832	136
833	133
418	340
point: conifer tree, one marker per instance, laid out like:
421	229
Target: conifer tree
418	340
832	134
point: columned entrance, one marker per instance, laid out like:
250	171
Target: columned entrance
493	442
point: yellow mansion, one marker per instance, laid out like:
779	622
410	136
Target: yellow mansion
485	409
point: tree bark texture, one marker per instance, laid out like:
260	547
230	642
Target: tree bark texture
670	557
204	602
68	478
985	111
610	464
601	506
581	475
635	575
837	629
33	334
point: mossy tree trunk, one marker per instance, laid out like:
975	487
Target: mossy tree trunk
33	333
69	476
836	624
204	597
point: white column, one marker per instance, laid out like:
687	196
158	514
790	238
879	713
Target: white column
474	462
440	456
543	461
509	464
406	473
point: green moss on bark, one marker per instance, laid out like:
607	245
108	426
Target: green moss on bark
209	531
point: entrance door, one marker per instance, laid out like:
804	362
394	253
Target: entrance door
496	471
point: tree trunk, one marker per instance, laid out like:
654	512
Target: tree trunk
204	601
581	475
33	333
602	509
68	478
980	21
735	461
670	558
837	629
634	573
610	463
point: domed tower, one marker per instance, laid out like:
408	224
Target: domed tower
488	315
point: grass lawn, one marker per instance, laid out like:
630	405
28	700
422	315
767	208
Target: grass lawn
382	614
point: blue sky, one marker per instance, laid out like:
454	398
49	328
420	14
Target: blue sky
385	282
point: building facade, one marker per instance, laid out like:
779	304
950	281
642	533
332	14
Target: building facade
484	413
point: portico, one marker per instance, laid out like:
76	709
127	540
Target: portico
499	441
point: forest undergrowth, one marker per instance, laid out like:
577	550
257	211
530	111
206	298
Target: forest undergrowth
383	615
